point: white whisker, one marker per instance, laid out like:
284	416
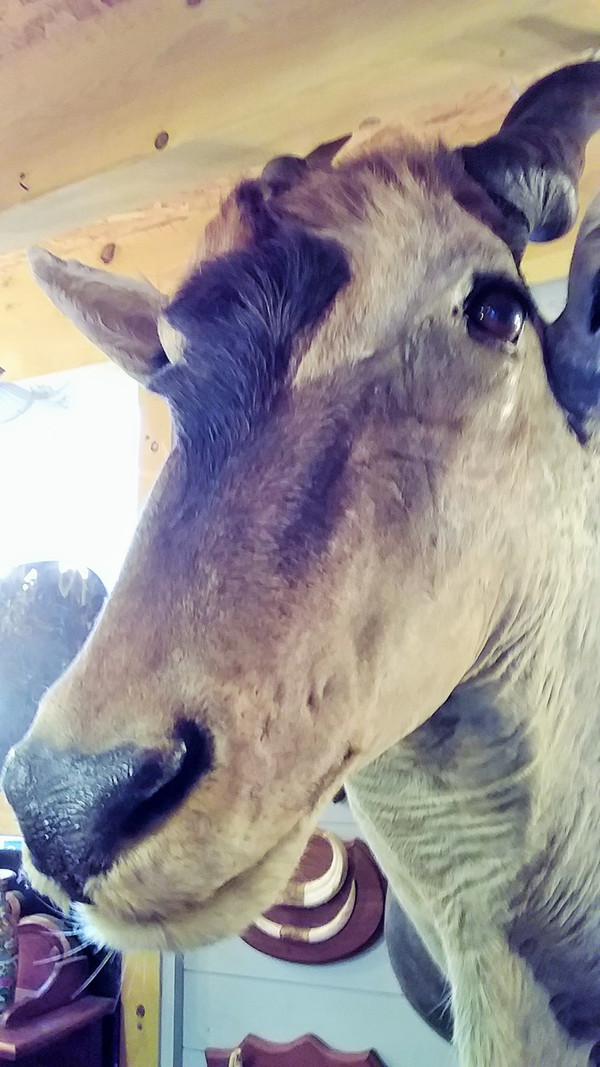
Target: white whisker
94	974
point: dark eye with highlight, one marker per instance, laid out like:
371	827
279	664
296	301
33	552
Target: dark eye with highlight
497	311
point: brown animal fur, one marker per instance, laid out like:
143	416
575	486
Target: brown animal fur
458	553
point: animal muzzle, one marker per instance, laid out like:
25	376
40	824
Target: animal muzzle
77	811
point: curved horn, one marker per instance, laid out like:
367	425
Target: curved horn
531	167
573	341
324	154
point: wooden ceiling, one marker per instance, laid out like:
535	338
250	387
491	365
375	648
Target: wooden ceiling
123	121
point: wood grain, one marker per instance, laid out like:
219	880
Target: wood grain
88	85
90	88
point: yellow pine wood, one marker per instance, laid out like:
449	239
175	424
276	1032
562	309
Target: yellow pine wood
8	823
87	86
140	1006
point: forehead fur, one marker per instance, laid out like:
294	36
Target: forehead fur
340	198
272	268
335	199
238	316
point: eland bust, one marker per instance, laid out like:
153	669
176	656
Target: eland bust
372	558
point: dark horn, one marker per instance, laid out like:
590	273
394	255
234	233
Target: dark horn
282	172
531	167
573	341
324	154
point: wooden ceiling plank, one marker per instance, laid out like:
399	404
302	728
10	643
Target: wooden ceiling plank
87	86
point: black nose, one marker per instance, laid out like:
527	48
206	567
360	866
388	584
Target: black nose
77	810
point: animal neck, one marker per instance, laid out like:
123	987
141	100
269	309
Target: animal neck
482	817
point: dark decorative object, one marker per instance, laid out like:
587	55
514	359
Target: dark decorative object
307	1051
49	974
70	1036
52	1002
331	909
8	942
422	982
43	986
45	616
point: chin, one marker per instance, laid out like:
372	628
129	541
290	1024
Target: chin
114	919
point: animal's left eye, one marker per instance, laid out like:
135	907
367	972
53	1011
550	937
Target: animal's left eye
497	312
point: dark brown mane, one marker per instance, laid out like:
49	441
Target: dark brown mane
240	314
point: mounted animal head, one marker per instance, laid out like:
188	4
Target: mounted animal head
368	411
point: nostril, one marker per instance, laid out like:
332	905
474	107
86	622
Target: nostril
76	810
162	785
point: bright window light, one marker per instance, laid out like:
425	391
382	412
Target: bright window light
69	473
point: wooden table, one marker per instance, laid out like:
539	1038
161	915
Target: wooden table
70	1035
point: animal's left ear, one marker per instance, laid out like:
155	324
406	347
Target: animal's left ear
573	341
118	314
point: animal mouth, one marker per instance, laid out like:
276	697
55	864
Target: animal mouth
177	917
177	925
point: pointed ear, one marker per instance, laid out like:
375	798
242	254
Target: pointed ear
118	314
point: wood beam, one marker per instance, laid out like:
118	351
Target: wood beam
89	85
